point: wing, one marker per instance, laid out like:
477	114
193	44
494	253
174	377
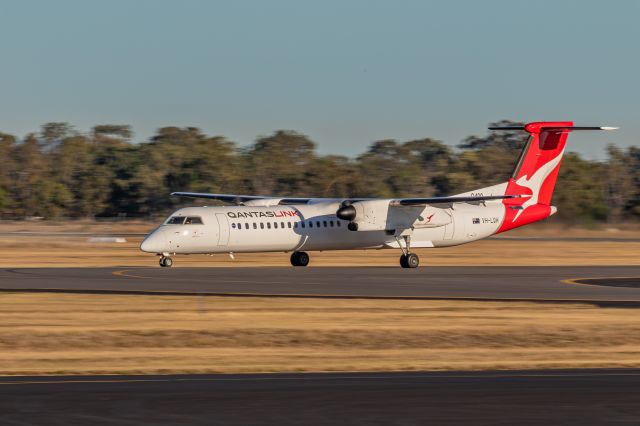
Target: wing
227	198
449	200
248	199
256	200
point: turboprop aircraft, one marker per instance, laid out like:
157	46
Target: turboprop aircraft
297	225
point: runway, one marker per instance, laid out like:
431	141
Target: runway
519	283
573	397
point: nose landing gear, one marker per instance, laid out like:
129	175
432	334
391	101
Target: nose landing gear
166	262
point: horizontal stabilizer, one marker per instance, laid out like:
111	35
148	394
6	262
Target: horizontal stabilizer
552	128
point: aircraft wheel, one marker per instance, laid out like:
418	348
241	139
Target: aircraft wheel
166	262
299	258
410	260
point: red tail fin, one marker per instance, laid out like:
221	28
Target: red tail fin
536	173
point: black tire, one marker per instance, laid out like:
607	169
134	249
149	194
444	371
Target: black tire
412	260
403	261
166	262
299	258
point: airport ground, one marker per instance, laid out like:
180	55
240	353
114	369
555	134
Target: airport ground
501	331
171	327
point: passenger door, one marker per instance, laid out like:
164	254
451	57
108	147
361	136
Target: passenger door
223	229
449	229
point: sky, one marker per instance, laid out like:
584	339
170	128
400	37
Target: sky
345	73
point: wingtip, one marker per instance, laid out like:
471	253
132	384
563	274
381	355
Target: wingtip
609	128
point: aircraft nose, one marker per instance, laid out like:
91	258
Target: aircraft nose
153	243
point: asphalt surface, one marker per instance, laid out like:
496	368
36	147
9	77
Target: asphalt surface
589	397
538	283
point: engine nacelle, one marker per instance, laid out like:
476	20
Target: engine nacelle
371	215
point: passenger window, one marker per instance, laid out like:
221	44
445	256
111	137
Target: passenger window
310	224
246	225
318	224
289	224
255	225
281	224
233	225
193	220
331	223
302	224
175	220
269	225
338	222
261	225
275	225
239	226
324	223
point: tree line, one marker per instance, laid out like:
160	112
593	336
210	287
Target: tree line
60	172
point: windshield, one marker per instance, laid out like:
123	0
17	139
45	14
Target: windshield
182	220
175	220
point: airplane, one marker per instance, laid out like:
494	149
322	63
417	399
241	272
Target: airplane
296	225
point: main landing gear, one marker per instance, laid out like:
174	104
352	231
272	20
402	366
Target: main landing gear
408	259
166	262
299	258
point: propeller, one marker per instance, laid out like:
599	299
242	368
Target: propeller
346	211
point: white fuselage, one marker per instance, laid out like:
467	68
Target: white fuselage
312	227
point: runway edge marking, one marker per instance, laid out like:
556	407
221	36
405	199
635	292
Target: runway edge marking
124	273
319	376
576	281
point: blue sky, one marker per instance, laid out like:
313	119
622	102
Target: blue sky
343	72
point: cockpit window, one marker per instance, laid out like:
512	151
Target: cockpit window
175	220
182	220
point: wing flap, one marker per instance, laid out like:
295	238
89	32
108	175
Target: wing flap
450	200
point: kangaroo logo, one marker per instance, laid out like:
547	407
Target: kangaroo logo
534	183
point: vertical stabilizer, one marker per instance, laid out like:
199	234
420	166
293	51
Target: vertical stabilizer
536	172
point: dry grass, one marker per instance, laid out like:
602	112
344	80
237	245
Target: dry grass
83	334
87	226
77	252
